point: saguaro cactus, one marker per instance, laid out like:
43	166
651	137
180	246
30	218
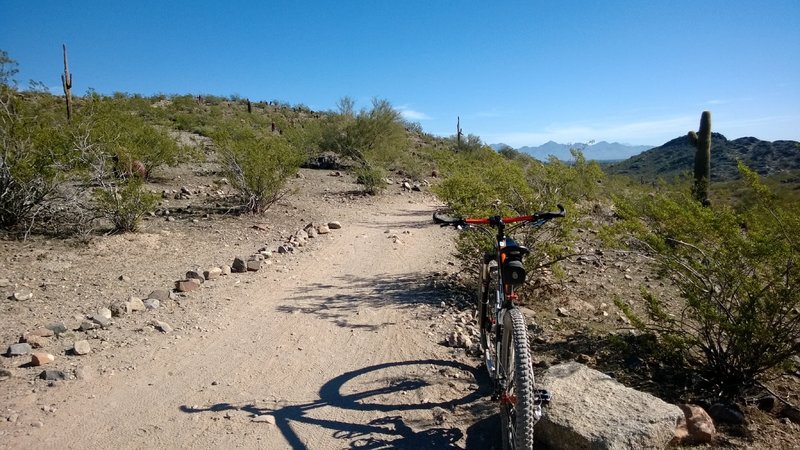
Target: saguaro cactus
459	134
249	107
702	158
66	83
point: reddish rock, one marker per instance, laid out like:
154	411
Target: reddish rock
696	427
35	340
41	358
187	285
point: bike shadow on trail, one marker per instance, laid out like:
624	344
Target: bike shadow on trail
389	431
339	300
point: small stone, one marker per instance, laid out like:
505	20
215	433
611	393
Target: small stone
726	414
87	325
335	225
5	374
40	359
19	349
57	328
226	270
323	229
563	312
124	278
161	295
5	282
101	320
265	418
104	312
212	273
43	332
151	304
135	304
253	265
53	375
119	309
164	327
21	296
186	285
791	413
81	347
84	373
239	265
194	275
766	403
35	340
584	359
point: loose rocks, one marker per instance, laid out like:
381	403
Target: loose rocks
164	327
19	349
151	304
187	285
21	296
696	427
239	265
212	273
40	359
81	348
53	375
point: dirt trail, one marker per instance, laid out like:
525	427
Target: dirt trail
337	352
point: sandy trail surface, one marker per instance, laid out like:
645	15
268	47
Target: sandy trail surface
342	350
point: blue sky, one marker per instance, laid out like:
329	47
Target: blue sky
521	73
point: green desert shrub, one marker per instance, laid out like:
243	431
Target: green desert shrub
34	151
373	179
738	313
125	203
258	166
119	134
375	137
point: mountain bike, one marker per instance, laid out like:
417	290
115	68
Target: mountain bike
503	333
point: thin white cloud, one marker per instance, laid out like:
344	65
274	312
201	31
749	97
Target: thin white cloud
410	114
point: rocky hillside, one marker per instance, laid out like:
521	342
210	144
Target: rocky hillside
677	156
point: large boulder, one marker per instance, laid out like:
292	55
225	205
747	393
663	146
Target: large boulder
590	410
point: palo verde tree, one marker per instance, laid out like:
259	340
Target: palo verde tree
374	138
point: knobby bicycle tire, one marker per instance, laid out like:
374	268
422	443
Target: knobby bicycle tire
484	323
517	405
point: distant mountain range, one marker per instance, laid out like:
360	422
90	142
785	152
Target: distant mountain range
677	157
599	151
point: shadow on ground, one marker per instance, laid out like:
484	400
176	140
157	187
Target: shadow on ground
390	430
338	301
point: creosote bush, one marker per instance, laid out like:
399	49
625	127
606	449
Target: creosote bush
125	203
372	178
738	315
258	166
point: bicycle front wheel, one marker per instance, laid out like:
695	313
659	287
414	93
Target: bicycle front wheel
517	394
